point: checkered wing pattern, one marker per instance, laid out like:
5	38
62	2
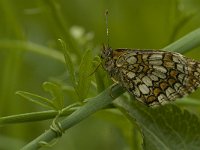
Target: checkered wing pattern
154	77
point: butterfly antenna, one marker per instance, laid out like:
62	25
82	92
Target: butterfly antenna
107	30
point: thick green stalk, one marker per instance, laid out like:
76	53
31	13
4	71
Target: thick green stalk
93	105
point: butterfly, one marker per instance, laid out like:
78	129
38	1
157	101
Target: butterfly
154	77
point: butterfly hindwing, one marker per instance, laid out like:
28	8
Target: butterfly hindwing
156	77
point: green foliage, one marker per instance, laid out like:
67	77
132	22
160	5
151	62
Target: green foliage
84	80
102	78
68	63
56	93
82	84
56	102
166	127
44	102
30	56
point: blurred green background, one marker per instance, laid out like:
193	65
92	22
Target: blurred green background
26	27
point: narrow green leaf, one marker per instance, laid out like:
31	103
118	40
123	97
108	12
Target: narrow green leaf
34	116
56	93
185	43
102	78
42	101
99	80
99	75
181	23
85	70
187	101
68	62
165	127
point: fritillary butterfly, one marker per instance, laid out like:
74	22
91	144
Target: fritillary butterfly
154	77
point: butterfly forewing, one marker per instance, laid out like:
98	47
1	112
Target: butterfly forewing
154	77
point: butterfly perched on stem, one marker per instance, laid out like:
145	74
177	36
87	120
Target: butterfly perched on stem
154	77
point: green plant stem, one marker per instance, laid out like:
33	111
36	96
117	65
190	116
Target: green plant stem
189	102
31	47
33	116
187	42
93	105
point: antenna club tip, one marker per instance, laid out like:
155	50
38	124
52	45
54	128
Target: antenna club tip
106	12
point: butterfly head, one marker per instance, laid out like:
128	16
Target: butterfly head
106	52
107	59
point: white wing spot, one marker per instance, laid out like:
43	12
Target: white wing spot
144	89
131	60
155	62
160	68
147	81
131	75
155	57
153	77
159	74
162	99
136	92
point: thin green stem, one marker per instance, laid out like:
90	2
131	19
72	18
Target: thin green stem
31	47
189	102
186	43
33	116
93	105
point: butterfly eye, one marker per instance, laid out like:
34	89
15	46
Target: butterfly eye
106	52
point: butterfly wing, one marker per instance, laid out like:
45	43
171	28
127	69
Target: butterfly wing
156	77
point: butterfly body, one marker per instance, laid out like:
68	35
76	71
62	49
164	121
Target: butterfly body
154	77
